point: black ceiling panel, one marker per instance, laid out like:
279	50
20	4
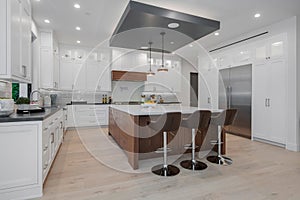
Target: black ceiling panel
141	23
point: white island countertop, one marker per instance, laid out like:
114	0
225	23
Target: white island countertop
137	110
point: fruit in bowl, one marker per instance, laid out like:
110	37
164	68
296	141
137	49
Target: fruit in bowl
149	103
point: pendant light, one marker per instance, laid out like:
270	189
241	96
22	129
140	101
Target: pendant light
162	67
150	72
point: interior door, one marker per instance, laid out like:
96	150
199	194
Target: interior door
194	89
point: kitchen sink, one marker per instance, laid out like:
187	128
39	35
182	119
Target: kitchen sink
27	109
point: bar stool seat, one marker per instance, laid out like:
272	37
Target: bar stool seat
167	123
219	159
198	121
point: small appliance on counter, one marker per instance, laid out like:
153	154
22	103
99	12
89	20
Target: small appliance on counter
47	101
53	99
6	107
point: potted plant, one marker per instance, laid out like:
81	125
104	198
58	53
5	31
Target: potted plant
23	103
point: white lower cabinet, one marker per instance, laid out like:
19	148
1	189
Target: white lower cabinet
52	139
20	154
269	101
87	115
27	151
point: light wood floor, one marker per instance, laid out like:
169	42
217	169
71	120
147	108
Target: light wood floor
260	171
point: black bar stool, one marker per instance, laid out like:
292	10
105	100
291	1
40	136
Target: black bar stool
199	120
169	122
230	115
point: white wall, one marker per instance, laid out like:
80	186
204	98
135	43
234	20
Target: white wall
298	81
288	26
127	91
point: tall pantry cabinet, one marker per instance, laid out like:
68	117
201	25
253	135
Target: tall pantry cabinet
269	90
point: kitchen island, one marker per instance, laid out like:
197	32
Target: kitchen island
128	125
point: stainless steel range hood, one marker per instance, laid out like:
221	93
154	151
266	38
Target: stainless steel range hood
141	23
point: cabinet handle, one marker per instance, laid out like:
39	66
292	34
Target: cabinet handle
208	100
56	119
52	138
45	166
269	104
45	129
266	102
46	147
51	123
24	68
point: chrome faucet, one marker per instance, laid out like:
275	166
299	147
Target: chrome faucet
31	96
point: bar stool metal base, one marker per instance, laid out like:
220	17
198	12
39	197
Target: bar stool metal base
195	166
219	160
170	170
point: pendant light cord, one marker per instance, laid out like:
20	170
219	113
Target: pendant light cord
150	44
163	49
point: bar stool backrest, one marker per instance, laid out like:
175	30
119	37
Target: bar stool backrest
205	117
167	122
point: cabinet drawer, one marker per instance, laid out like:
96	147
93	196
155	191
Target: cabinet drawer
84	108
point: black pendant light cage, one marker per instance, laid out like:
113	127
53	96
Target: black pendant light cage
150	72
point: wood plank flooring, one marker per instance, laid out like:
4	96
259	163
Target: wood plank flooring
259	171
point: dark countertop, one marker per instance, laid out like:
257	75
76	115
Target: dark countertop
31	117
74	103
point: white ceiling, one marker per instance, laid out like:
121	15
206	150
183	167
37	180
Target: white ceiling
98	18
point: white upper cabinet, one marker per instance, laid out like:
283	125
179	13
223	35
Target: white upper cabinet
3	46
129	60
234	56
68	73
16	23
83	70
272	48
49	60
98	76
223	60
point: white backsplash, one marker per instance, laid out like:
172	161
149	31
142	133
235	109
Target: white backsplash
5	89
124	91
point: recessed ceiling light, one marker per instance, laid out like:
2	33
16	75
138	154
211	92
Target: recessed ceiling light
173	25
38	0
257	15
191	45
217	34
172	42
276	44
78	42
76	5
47	21
144	47
78	28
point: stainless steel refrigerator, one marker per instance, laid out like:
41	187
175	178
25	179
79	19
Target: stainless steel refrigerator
235	91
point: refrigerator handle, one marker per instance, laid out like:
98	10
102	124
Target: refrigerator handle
266	102
229	95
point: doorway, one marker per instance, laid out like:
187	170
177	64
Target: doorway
194	89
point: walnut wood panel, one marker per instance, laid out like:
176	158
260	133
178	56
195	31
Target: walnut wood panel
140	142
128	76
